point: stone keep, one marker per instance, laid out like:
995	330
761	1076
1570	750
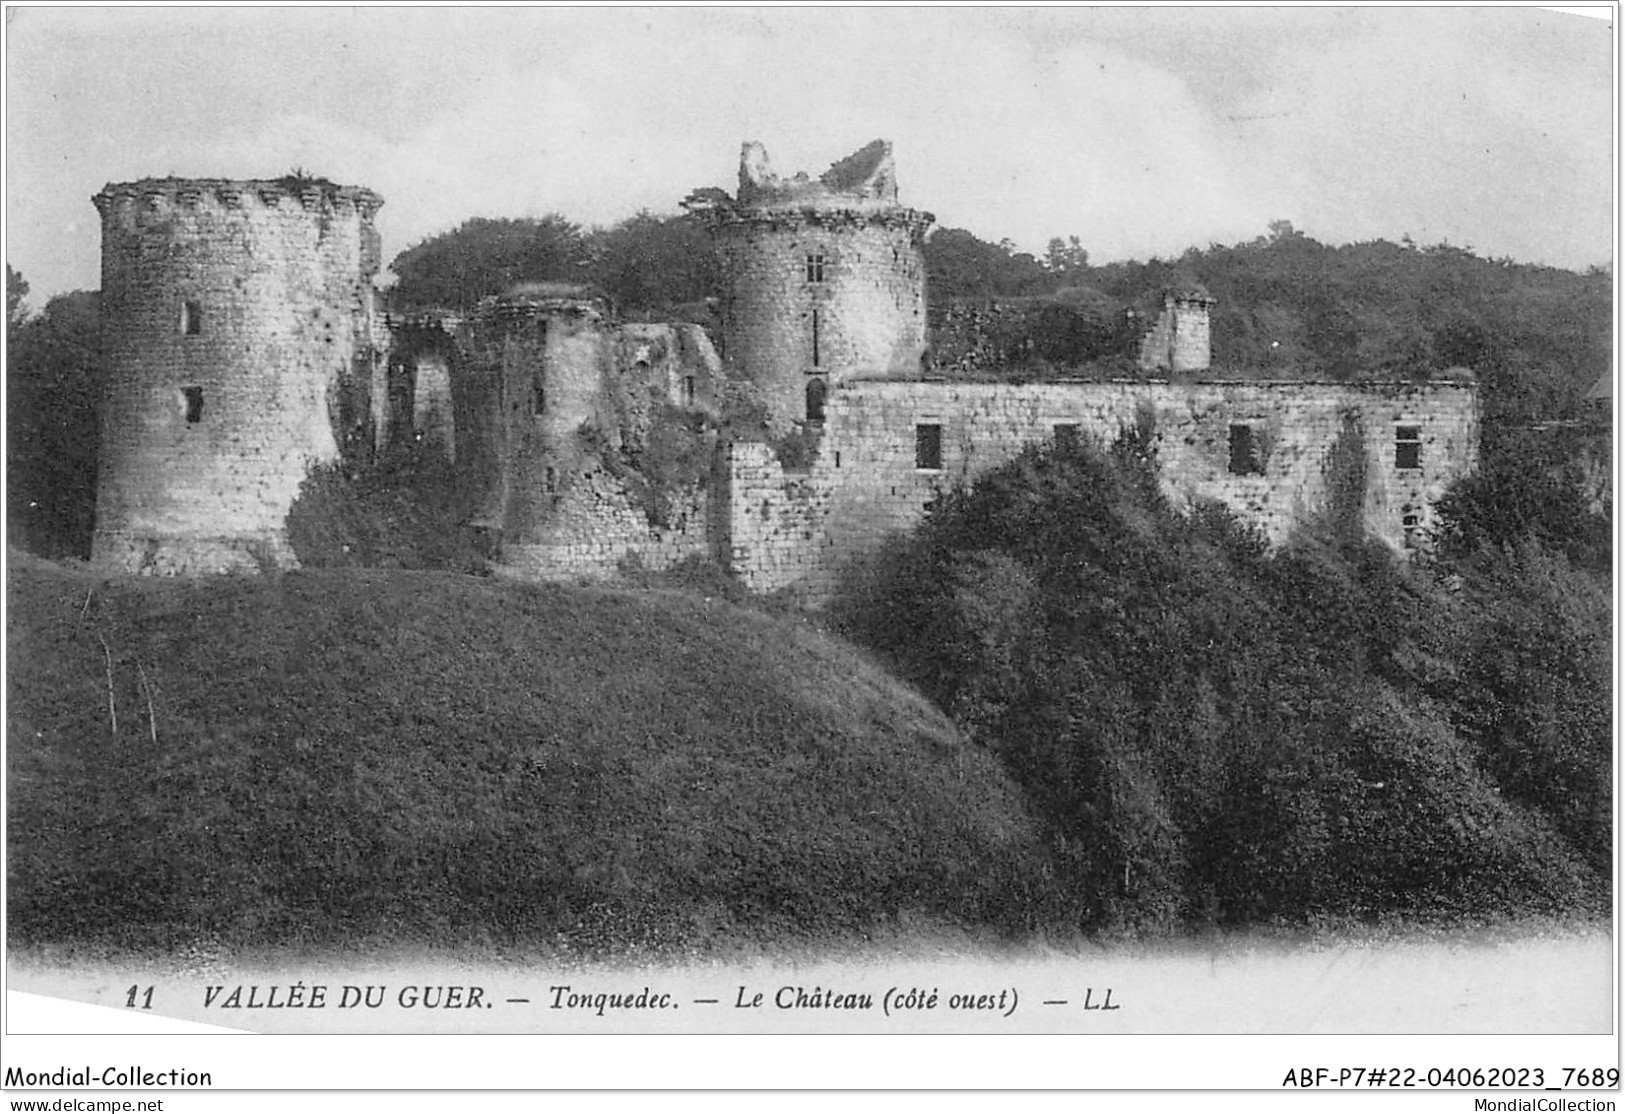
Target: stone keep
239	349
823	280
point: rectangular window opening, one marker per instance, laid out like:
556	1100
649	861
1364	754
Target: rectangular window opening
928	447
538	397
815	338
817	391
1066	435
1245	459
815	266
193	399
688	390
1408	447
1412	524
191	319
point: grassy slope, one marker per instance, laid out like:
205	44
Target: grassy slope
419	758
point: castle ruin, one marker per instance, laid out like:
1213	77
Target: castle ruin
245	344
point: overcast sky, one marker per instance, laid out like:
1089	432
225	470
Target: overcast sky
1141	131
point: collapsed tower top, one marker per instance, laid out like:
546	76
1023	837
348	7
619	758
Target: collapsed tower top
863	182
866	175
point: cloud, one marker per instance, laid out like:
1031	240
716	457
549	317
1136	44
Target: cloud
1467	126
990	133
1142	133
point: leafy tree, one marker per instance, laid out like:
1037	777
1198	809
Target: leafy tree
960	265
652	265
1530	488
1536	689
485	256
1212	730
16	291
1066	258
52	388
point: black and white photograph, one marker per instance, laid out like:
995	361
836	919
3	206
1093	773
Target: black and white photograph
866	527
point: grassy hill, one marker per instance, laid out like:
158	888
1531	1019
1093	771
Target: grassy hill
344	757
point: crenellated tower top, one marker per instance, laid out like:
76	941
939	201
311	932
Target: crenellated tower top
157	195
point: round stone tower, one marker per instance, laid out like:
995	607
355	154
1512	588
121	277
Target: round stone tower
239	348
823	281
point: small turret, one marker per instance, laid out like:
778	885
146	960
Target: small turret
1181	341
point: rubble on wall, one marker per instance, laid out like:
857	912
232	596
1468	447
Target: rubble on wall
866	175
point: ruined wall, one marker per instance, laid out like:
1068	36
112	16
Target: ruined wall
531	374
799	531
416	400
433	420
566	416
672	361
595	528
616	395
238	329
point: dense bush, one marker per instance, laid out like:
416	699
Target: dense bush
403	511
1212	730
1530	486
52	386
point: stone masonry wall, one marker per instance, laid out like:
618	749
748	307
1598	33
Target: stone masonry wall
558	405
578	517
800	531
671	361
236	316
594	529
1181	340
1193	339
433	420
